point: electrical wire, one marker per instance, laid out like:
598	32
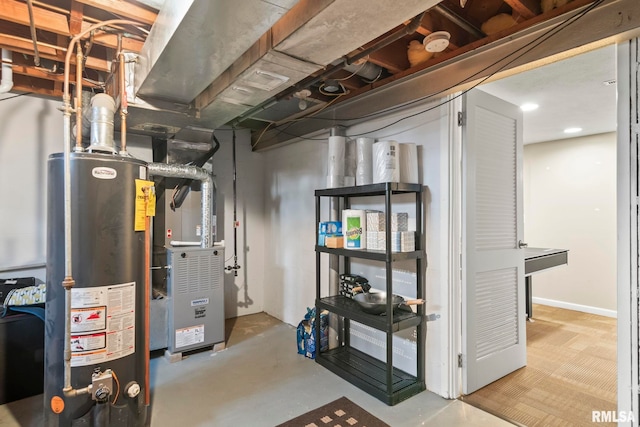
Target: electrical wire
14	96
291	121
527	48
364	62
115	377
343	91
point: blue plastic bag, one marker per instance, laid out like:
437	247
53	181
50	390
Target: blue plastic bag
306	333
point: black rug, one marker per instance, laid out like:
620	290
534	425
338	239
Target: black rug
339	413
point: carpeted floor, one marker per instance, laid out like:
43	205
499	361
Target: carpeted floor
570	372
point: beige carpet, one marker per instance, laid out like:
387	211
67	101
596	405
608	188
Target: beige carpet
570	372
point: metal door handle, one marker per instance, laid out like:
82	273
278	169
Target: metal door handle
522	244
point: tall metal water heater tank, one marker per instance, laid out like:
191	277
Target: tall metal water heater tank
107	315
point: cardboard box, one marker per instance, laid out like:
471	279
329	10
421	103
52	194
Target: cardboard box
328	228
334	242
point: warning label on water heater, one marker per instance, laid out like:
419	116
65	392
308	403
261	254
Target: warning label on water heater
102	323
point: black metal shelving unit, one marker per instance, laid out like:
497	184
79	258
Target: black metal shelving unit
378	378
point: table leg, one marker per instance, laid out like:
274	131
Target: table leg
528	297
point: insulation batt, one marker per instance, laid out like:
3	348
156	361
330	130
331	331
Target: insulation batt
416	54
497	23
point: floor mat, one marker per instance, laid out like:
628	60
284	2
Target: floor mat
339	413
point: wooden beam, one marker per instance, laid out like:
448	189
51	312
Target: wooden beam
127	10
35	85
75	19
527	9
392	57
111	40
21	67
20	45
38	90
15	11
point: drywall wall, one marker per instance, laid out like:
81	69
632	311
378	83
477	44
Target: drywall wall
30	130
244	292
293	173
570	203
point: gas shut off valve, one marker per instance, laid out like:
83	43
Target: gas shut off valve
101	385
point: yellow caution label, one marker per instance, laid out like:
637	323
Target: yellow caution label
145	202
57	404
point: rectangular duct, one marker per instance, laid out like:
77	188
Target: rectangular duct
193	41
216	59
346	25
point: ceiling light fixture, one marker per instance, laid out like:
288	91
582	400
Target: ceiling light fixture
303	95
529	106
572	130
331	85
436	42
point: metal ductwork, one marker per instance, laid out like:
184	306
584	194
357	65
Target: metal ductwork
193	42
192	172
212	60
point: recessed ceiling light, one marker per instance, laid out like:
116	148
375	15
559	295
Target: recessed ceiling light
529	106
572	130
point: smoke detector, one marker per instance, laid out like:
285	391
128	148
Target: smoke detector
436	42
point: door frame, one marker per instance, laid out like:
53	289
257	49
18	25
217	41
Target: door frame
627	228
628	176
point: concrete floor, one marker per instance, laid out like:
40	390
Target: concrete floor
260	380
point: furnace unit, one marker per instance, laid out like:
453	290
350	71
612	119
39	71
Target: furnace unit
195	298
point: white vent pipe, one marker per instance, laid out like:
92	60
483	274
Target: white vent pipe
200	174
7	71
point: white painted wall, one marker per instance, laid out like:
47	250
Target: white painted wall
30	130
570	203
293	173
244	293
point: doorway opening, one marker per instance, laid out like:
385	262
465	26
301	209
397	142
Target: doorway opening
569	203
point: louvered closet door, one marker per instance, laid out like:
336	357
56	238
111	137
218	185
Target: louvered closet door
494	338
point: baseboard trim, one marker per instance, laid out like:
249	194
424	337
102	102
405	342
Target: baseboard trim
576	307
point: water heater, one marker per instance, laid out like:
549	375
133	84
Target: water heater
107	318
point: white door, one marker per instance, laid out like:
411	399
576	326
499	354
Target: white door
493	294
628	84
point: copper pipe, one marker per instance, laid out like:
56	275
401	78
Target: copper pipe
68	281
32	27
147	297
77	37
123	107
79	62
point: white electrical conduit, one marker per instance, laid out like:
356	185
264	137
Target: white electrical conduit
200	174
7	71
68	281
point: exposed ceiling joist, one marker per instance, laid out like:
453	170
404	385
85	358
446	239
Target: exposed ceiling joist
111	40
526	9
124	9
76	17
17	12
